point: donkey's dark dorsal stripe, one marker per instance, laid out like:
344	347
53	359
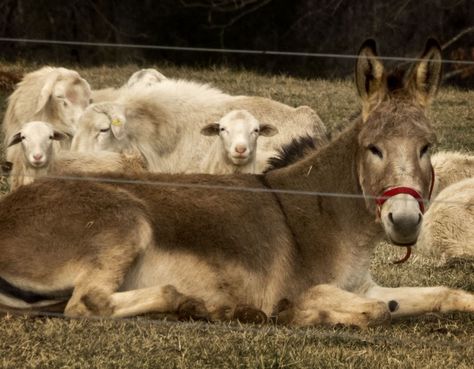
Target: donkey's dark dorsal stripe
30	297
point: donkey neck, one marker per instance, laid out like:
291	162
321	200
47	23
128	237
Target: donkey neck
328	229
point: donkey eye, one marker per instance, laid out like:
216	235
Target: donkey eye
375	150
424	150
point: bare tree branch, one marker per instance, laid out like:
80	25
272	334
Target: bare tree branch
457	37
457	72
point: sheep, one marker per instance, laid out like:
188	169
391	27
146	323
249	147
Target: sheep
163	123
448	225
55	95
40	159
145	78
140	79
450	167
235	150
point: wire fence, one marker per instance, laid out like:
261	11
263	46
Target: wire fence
212	187
216	50
102	178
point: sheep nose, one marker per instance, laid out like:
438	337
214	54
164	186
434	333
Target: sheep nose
240	149
38	156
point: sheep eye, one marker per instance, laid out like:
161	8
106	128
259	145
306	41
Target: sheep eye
424	150
105	130
51	137
222	129
256	130
22	137
375	150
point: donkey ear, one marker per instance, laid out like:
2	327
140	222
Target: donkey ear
46	91
15	139
425	77
268	130
210	129
369	77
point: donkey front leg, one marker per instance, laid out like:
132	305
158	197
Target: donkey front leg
157	299
329	305
412	301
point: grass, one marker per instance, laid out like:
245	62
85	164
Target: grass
431	341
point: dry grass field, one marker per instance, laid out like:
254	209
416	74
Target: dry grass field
432	341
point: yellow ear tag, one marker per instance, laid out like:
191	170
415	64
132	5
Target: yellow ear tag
116	122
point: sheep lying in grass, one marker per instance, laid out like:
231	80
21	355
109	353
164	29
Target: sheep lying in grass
450	167
140	79
235	150
55	95
35	140
163	123
448	225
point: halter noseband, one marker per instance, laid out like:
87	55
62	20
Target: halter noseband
380	200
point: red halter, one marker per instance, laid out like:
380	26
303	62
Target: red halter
380	200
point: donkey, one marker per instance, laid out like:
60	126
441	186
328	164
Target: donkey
124	247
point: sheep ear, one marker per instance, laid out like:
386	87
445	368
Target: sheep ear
210	130
117	124
268	130
59	136
15	139
116	115
47	91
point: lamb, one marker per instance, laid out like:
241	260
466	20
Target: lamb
163	123
55	95
450	167
235	150
39	157
140	79
448	225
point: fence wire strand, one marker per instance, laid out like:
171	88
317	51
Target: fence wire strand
216	50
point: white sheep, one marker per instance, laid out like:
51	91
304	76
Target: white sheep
40	159
448	224
140	79
163	123
450	167
145	78
55	95
235	151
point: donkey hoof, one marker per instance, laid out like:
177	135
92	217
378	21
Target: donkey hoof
283	312
249	314
194	309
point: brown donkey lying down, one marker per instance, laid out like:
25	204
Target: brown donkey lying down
121	248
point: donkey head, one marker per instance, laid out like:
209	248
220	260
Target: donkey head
395	134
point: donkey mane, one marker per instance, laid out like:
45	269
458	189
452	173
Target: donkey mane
291	152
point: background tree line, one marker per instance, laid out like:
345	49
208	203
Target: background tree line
326	26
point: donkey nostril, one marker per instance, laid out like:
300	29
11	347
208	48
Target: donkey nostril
420	218
390	217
